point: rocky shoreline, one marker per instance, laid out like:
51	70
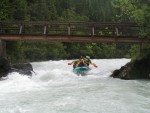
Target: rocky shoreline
6	68
139	69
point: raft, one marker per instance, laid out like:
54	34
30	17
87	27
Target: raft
81	70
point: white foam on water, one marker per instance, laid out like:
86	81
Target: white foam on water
54	88
16	82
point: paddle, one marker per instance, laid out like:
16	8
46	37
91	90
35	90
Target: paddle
95	65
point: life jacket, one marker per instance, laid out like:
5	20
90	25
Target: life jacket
87	61
75	63
81	64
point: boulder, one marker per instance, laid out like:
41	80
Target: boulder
139	69
6	68
24	69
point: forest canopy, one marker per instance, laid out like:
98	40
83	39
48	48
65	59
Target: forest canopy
137	11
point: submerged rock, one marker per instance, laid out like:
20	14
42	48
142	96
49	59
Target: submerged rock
6	68
139	69
25	69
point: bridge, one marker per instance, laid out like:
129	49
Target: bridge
70	32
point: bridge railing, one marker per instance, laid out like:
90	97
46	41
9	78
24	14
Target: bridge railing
68	28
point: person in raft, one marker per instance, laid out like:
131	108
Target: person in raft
82	62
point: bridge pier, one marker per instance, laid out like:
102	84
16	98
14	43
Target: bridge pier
143	45
2	49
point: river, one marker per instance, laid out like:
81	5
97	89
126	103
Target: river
54	88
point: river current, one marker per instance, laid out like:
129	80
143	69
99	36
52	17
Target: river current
54	88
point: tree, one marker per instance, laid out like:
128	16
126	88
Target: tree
19	9
137	11
5	10
71	15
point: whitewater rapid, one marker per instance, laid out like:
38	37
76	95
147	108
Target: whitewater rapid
54	88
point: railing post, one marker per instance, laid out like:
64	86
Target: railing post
117	32
93	31
45	29
69	30
20	31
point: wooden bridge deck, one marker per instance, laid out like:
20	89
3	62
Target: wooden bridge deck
71	32
73	38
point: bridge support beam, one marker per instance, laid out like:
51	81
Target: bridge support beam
2	49
142	46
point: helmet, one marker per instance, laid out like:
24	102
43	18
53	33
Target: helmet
88	57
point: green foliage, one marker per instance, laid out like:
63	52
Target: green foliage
75	10
5	10
135	51
75	50
52	10
138	52
71	15
15	52
97	51
137	11
36	51
108	50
